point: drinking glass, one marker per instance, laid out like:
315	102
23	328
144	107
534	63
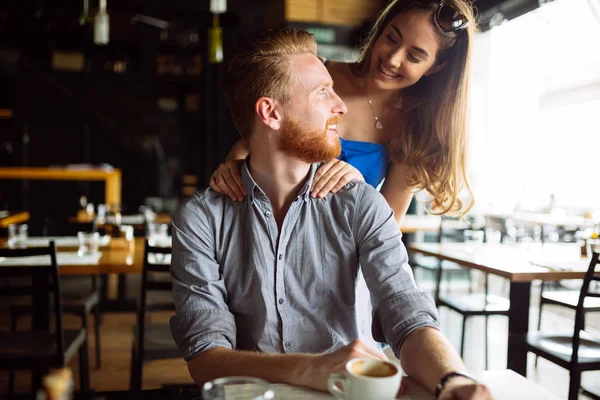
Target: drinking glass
237	388
493	236
12	235
473	239
89	243
23	233
158	234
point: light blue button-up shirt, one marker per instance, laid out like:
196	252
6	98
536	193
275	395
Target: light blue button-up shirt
239	283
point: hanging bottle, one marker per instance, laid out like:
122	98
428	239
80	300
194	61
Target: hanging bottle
101	25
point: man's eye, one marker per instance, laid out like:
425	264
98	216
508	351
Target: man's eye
323	93
391	39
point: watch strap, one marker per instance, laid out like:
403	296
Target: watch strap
442	383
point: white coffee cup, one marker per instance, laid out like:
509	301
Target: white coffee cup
366	378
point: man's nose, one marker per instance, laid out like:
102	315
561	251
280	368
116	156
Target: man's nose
339	107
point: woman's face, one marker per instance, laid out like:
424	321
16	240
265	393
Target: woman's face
405	51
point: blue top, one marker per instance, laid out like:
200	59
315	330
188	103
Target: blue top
371	159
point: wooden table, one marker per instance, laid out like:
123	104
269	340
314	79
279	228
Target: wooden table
111	178
420	223
14	218
504	385
521	265
558	220
114	260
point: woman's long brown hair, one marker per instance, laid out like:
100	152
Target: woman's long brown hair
432	137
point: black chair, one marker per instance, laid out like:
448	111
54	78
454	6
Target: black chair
449	231
474	305
40	348
577	351
565	298
76	302
153	341
80	294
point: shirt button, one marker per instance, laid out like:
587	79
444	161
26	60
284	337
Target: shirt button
288	345
267	213
280	256
281	301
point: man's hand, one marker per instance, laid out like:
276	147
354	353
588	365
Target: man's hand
228	180
323	365
464	389
332	176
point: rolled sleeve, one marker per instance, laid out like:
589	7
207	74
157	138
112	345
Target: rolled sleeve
202	320
198	331
397	317
399	306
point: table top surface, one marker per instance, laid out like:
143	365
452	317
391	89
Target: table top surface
119	257
504	385
516	262
556	219
420	223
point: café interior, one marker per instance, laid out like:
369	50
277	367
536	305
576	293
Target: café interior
111	116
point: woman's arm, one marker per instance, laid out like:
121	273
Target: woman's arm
227	179
396	190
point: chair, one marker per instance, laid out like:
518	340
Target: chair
152	341
449	231
577	351
473	305
565	298
74	302
39	349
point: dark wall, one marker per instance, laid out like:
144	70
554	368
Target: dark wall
155	126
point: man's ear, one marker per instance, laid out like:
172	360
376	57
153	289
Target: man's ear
435	68
269	112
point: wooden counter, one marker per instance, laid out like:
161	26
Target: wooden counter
111	178
14	218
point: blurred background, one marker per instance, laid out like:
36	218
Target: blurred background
143	97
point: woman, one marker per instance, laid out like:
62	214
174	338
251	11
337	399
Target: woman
407	110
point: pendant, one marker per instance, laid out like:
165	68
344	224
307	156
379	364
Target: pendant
378	125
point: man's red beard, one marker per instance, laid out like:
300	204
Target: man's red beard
309	146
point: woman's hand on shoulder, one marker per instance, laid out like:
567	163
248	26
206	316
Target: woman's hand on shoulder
332	176
228	180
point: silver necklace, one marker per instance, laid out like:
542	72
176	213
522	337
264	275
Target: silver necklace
378	122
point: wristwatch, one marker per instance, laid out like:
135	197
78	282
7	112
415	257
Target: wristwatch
442	383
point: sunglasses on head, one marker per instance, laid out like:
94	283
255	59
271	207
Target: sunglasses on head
447	18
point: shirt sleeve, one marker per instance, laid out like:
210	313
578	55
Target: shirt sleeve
399	306
202	320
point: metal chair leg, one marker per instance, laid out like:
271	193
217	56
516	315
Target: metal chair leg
539	326
462	338
136	371
84	368
486	342
97	323
11	373
574	385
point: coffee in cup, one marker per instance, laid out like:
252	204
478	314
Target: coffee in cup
366	378
373	370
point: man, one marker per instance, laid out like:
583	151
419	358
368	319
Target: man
266	286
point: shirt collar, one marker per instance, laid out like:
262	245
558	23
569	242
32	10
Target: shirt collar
251	186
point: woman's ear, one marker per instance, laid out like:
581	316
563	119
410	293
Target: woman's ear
435	68
269	113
